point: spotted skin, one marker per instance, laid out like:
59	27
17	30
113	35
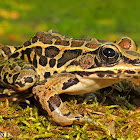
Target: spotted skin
50	64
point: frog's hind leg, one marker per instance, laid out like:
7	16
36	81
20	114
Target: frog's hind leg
17	74
12	95
47	94
6	93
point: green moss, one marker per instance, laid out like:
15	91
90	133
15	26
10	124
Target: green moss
109	121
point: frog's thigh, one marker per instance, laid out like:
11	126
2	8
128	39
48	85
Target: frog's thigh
47	94
18	74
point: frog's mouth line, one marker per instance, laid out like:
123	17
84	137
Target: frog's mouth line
116	72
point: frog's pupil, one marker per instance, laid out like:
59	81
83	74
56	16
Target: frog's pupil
109	52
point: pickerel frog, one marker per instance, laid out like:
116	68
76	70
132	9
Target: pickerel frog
50	64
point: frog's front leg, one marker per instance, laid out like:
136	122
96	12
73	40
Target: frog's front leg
17	74
47	94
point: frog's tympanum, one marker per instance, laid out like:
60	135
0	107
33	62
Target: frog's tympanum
50	64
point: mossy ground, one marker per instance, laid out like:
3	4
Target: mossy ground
116	113
116	116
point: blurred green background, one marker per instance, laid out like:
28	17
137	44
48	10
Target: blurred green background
103	19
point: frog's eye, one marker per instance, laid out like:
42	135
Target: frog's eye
109	54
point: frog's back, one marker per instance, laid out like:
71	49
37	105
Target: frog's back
50	52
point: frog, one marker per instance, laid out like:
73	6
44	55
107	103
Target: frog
49	64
